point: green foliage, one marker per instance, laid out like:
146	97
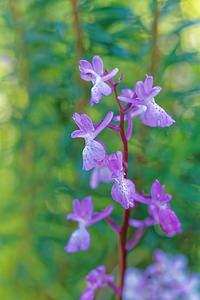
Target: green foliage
40	166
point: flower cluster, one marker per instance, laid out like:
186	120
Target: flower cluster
107	168
113	167
167	279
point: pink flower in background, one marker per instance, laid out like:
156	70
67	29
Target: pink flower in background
94	151
168	278
85	216
94	73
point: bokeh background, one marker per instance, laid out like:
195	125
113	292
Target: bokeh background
41	43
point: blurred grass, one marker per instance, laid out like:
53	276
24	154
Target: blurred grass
40	166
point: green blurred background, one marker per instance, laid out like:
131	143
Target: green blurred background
41	42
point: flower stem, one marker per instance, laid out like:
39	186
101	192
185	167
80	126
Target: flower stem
124	227
136	238
122	133
122	250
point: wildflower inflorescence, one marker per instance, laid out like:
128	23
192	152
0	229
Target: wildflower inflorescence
113	167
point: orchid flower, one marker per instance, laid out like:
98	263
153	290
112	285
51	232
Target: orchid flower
95	73
94	151
123	190
143	104
161	212
100	173
83	214
95	280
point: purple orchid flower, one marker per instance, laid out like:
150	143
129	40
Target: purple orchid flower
143	104
100	173
84	215
123	190
94	73
96	279
94	151
160	210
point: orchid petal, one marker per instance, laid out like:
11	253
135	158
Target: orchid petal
84	122
102	215
88	294
155	91
96	94
148	83
87	207
93	152
105	89
123	192
156	190
77	134
87	124
79	240
110	75
156	116
85	64
128	93
136	223
97	63
103	124
76	206
94	179
87	77
169	222
101	173
139	89
126	99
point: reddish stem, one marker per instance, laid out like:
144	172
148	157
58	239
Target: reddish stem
124	227
136	238
122	133
122	250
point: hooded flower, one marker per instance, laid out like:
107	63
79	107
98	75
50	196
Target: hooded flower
144	105
160	210
84	215
94	151
123	190
95	280
94	73
100	173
